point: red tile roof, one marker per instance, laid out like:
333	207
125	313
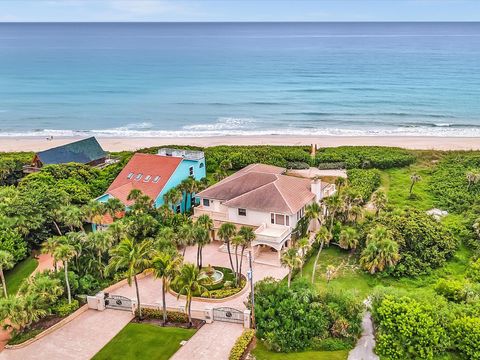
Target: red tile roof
145	164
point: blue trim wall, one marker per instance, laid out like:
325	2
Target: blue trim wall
181	173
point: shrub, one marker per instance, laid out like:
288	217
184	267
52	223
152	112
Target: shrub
366	156
466	336
63	308
172	316
297	165
404	321
330	344
474	270
241	344
363	182
456	291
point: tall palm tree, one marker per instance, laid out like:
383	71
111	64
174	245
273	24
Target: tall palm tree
333	204
314	212
6	262
378	233
141	202
202	238
348	239
226	232
165	266
172	197
49	246
236	241
379	255
414	178
65	253
189	282
101	242
248	235
292	261
323	236
303	245
185	187
379	201
133	256
340	182
72	216
185	236
117	231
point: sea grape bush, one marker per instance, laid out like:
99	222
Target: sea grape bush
366	156
293	319
241	345
363	182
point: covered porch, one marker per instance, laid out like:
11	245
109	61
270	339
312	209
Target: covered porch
269	242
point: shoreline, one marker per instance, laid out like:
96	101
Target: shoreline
9	144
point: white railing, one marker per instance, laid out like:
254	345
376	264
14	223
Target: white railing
215	215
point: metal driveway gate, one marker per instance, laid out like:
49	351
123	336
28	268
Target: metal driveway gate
228	314
118	302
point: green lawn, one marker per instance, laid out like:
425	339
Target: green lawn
144	341
261	353
20	272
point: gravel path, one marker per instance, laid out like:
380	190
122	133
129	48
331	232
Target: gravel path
365	345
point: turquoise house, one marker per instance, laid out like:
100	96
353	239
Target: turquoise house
155	175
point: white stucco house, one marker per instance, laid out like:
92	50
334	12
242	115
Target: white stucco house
263	197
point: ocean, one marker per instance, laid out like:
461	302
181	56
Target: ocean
207	79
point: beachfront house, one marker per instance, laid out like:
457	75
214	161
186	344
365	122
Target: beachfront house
87	151
154	175
264	197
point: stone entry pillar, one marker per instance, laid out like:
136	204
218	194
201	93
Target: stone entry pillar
96	302
247	319
208	314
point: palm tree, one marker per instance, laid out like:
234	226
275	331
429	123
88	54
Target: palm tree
348	239
226	232
113	207
414	179
248	235
378	233
355	213
72	216
379	201
472	178
18	312
186	187
476	227
165	266
292	260
202	238
133	256
379	255
101	242
94	211
225	165
314	212
185	236
142	203
189	282
172	197
6	262
117	231
323	236
333	204
49	246
236	241
303	245
340	182
65	253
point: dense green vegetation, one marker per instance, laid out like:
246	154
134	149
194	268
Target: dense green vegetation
144	341
262	353
15	277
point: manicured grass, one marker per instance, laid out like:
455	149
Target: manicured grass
144	341
261	353
20	272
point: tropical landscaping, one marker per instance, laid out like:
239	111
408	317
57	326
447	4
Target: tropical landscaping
420	271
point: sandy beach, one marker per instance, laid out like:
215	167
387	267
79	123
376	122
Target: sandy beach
130	143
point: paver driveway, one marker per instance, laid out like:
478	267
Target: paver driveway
80	339
84	336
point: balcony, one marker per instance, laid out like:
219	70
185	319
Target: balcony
272	235
214	215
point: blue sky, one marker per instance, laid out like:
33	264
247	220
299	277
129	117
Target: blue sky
239	10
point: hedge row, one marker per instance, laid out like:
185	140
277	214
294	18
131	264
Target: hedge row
366	157
365	182
241	344
172	316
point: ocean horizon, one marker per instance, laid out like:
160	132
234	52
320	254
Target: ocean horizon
220	79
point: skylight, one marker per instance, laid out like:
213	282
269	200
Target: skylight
147	178
129	176
139	176
155	180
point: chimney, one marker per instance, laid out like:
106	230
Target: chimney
316	188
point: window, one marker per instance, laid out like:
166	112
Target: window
139	176
272	218
242	212
287	220
178	209
147	178
279	219
201	165
129	176
300	213
190	171
206	202
155	179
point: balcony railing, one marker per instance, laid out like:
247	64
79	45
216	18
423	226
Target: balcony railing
215	215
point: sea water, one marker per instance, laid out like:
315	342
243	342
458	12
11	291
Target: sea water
201	79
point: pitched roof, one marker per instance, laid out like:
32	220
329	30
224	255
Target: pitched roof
264	188
146	165
82	151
